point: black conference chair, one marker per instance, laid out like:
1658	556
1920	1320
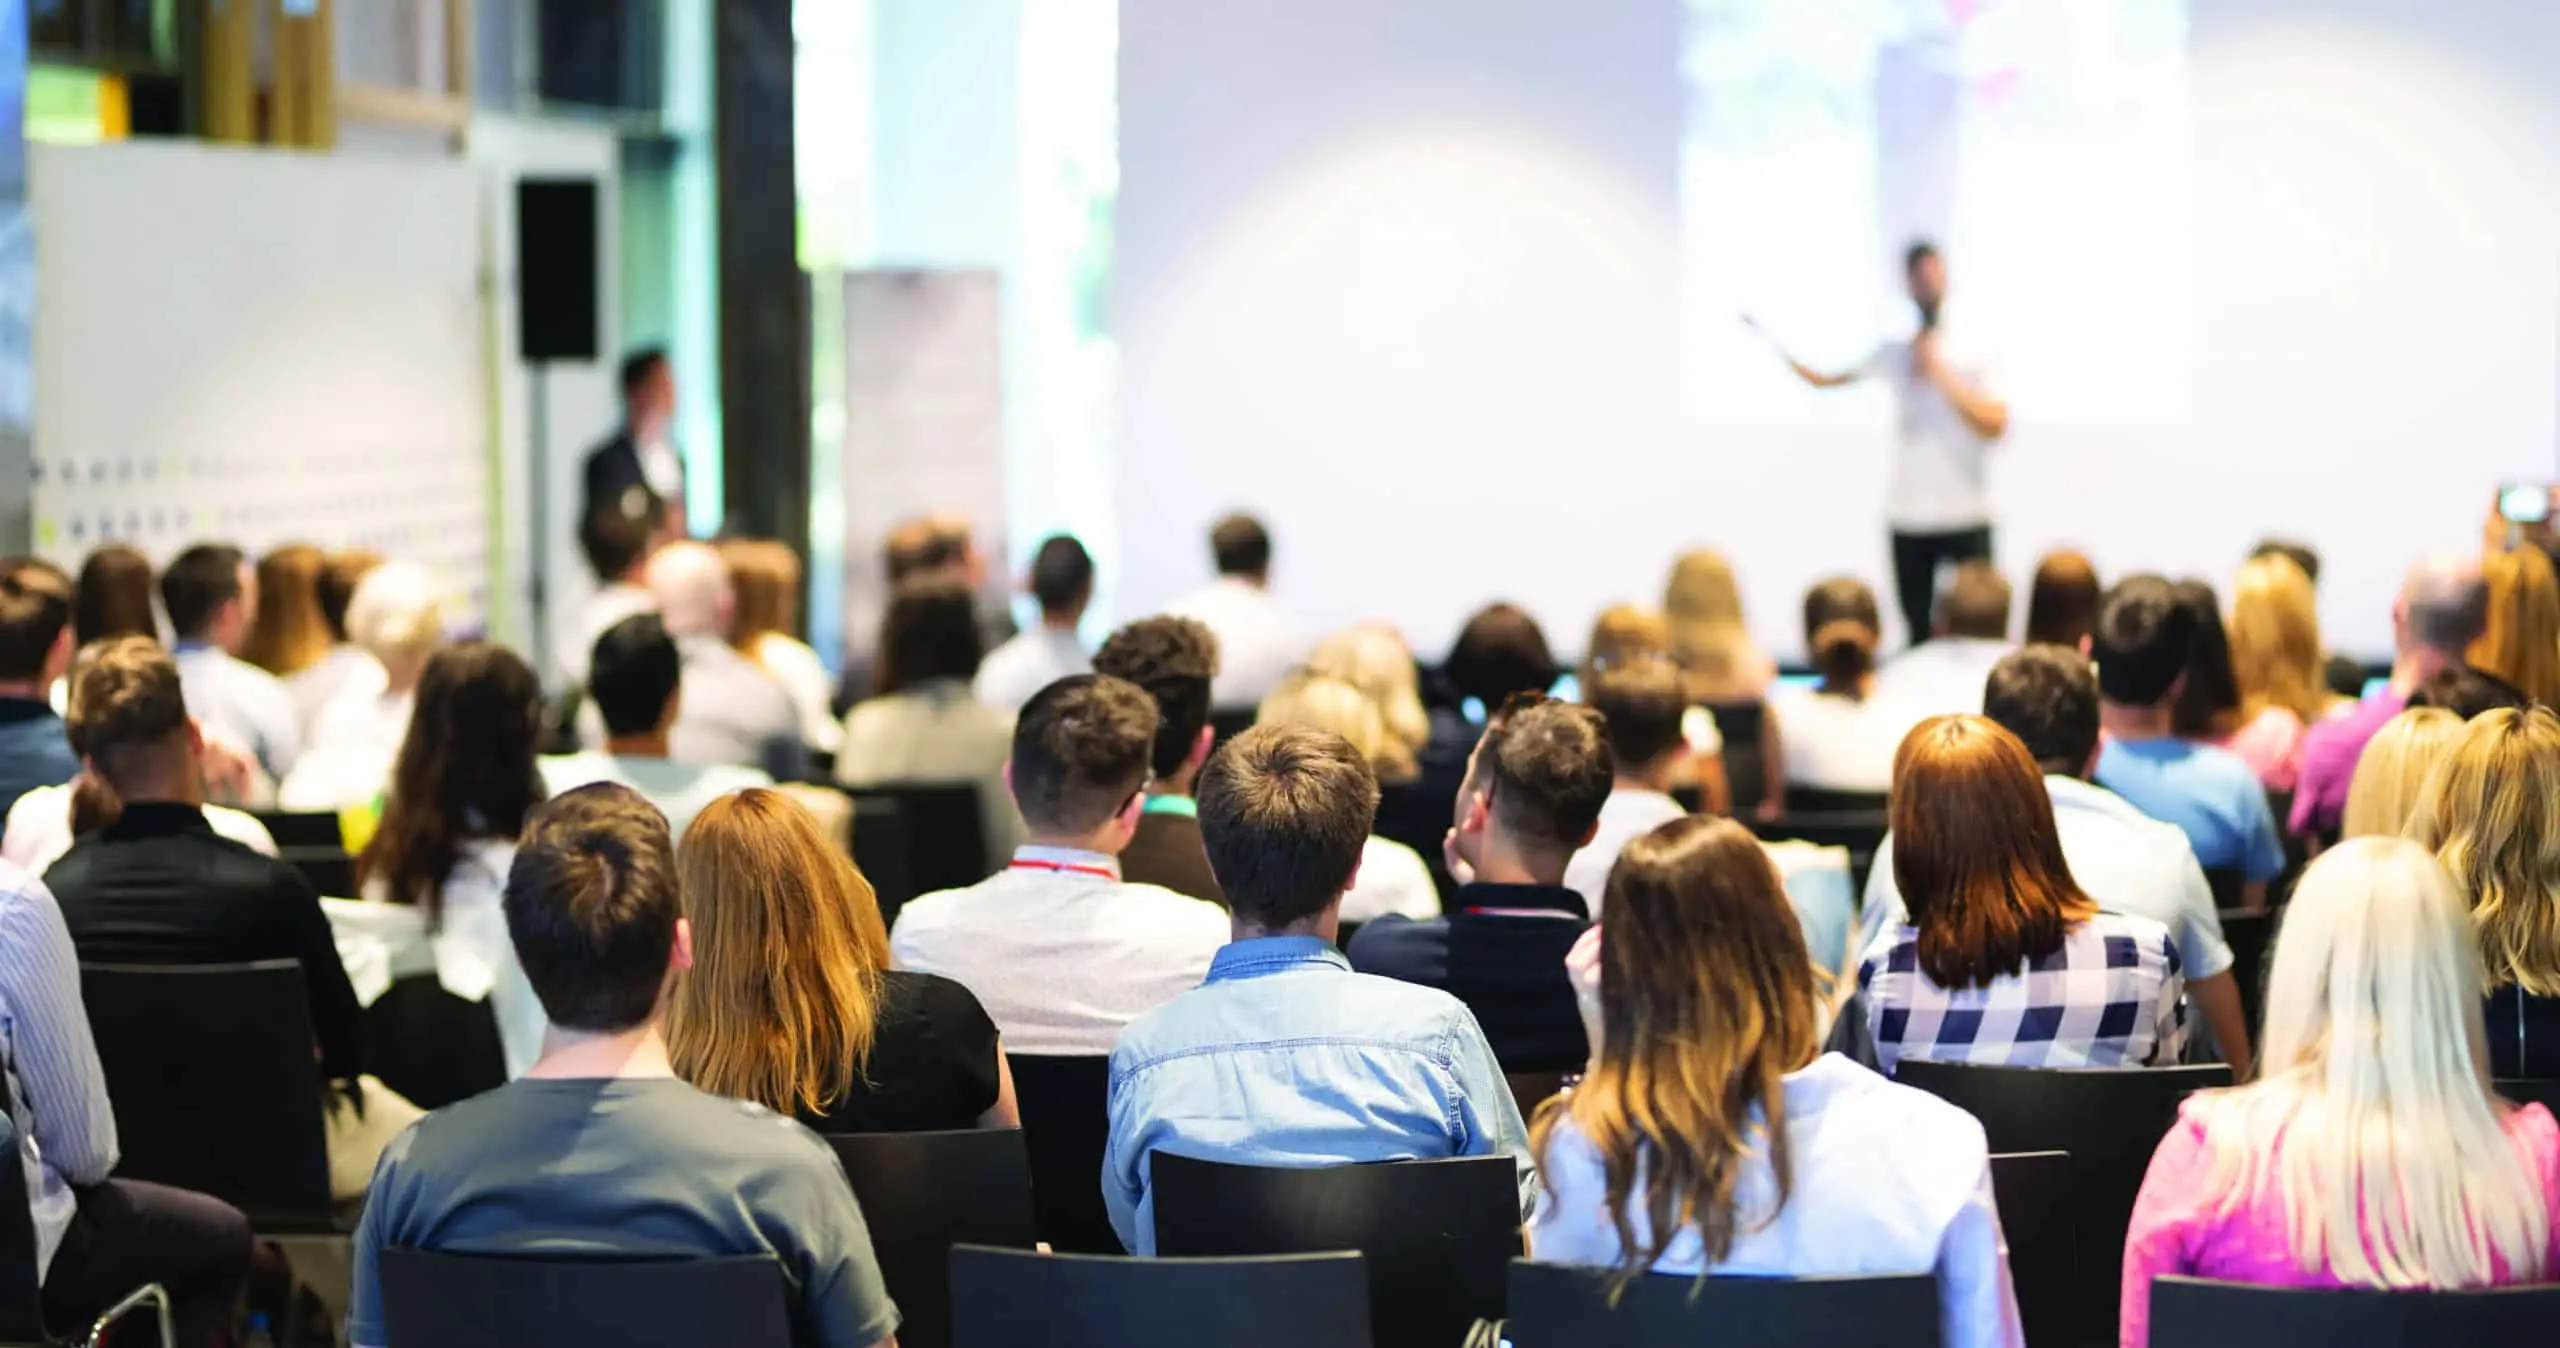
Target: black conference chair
437	1300
1532	1089
431	1046
1226	725
2524	1092
209	1068
317	830
2226	882
1009	1299
1815	800
2252	937
946	833
21	1291
1562	1306
880	851
1437	1234
2033	1192
1065	1104
2195	1313
922	1194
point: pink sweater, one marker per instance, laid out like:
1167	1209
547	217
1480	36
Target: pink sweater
2175	1229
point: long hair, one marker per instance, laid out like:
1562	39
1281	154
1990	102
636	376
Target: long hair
2371	1096
1707	1001
1328	703
1703	607
288	635
2208	706
2491	812
1975	852
2522	643
2275	640
766	577
1373	658
112	598
467	771
2391	773
783	1000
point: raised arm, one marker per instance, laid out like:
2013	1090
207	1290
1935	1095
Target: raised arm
1810	375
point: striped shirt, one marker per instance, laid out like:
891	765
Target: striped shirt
57	1090
2106	997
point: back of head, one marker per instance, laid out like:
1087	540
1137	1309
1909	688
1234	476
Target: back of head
782	1003
615	543
1975	604
196	586
113	597
1373	658
397	614
1841	632
2391	774
1642	703
1284	812
764	577
1240	547
2275	639
1080	752
2491	812
1625	632
1500	651
634	674
341	571
127	714
1173	660
639	370
2062	603
2046	696
2142	642
1061	576
2300	554
592	908
468	769
1547	768
2444	604
1975	852
693	589
928	546
1702	610
930	632
2467	692
290	634
1325	703
2208	704
2522	642
35	610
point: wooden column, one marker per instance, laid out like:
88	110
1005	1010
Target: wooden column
226	78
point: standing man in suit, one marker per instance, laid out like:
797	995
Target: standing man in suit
637	471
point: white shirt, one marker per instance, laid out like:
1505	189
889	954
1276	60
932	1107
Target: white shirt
679	790
2124	859
1628	814
604	609
1942	676
1257	643
1838	743
470	953
352	750
935	734
1027	662
345	666
1885	1180
1062	959
1393	879
804	676
246	704
1939	460
39	829
661	465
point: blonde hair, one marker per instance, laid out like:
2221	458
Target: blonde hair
2392	772
2394	1170
1328	703
2275	640
1373	658
783	1000
765	577
289	634
397	613
1702	607
2491	812
1624	632
2522	643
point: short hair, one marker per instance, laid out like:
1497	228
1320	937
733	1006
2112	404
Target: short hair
1975	603
1080	751
639	367
2046	696
592	908
113	596
1284	813
340	572
1240	546
1642	702
925	546
35	610
2062	602
1501	651
633	673
1917	251
1548	769
126	704
614	542
1061	574
2300	554
2467	691
197	583
930	632
2142	641
1174	660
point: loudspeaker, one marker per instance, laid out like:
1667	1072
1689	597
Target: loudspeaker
556	269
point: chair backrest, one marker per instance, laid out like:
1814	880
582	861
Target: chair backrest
1532	1089
438	1300
304	828
1010	1299
1563	1306
2227	883
1821	801
946	832
1065	1106
1438	1235
2195	1313
2033	1192
922	1194
2524	1092
2252	937
210	1071
331	872
880	851
431	1046
1859	830
21	1294
1226	725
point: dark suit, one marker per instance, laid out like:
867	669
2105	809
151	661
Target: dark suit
615	479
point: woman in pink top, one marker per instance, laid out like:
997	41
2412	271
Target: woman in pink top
2370	1151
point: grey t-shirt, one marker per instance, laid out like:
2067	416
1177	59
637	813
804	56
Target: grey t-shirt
641	1167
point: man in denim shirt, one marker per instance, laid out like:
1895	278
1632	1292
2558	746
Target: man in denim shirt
1284	1056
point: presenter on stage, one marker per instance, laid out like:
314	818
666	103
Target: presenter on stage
1937	506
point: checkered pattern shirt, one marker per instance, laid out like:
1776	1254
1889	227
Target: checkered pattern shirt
2108	997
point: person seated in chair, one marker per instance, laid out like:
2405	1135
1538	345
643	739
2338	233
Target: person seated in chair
35	651
1285	1056
636	684
600	1150
1176	661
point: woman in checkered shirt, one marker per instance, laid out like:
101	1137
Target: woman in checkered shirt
2005	960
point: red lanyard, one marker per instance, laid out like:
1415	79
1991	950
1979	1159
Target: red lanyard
1067	867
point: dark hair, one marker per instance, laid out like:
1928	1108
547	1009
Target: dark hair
1284	812
1547	768
1080	751
1240	546
340	572
2062	604
197	584
639	367
591	907
2299	554
1976	855
613	541
113	596
1917	251
925	547
467	770
2468	691
1641	702
2208	705
1174	660
1499	652
2142	642
1061	574
35	609
2046	696
1975	603
1841	631
633	673
930	632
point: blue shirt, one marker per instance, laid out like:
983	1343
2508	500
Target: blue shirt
2210	794
1285	1057
246	705
34	750
57	1090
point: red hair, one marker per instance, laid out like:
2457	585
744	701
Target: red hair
1975	852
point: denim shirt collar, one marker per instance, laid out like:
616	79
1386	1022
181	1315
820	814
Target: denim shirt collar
1259	956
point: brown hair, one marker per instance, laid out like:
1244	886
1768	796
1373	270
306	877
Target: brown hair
1174	660
591	907
35	608
1547	767
289	633
1975	852
1285	811
765	576
1501	651
1841	632
126	706
2062	601
467	770
1976	603
1621	633
1080	751
1707	1001
2522	642
783	1001
2490	811
1702	611
340	573
113	597
930	632
1642	702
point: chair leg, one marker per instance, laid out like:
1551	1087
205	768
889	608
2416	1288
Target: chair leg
149	1294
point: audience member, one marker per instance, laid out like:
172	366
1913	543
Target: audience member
1729	678
637	688
2126	861
1712	1135
765	575
1391	877
933	547
1174	661
1969	632
288	635
1258	642
1640	702
1061	581
924	727
2006	960
2442	609
2143	644
2521	643
212	598
344	663
1370	1069
617	547
601	1149
2391	776
2467	693
791	1003
1839	735
35	652
736	714
2345	677
1061	951
113	596
2207	707
1624	634
1533	795
2062	600
2276	665
1372	657
2370	1152
1499	652
397	617
2490	811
